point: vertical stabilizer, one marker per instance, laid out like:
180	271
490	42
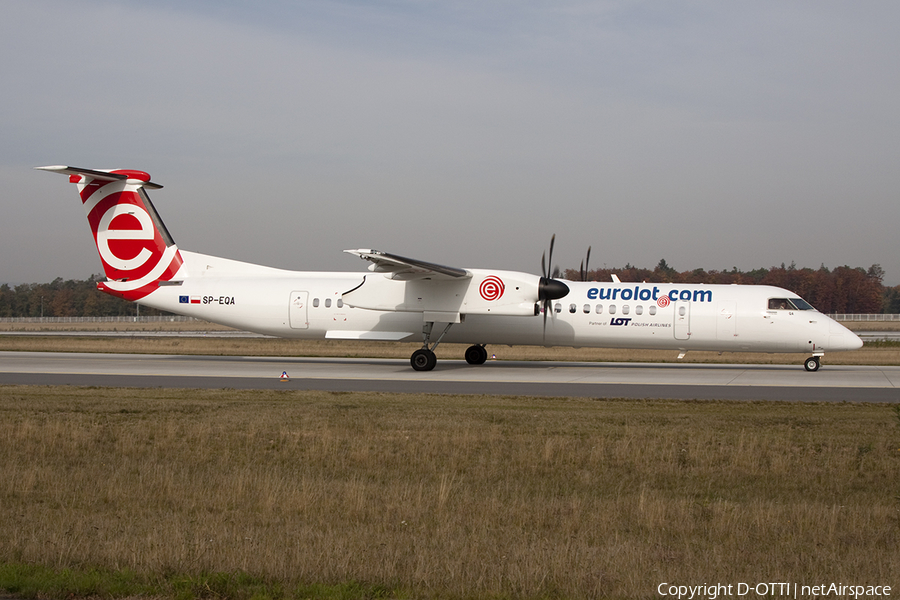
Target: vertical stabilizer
135	248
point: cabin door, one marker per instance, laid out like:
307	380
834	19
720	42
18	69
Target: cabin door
726	322
297	314
682	320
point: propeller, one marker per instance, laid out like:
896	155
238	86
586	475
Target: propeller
550	288
584	265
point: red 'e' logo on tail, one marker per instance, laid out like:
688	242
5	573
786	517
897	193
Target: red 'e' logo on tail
134	254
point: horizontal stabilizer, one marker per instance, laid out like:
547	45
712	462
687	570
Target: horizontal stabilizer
112	175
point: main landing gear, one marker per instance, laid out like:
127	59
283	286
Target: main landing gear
476	355
424	358
812	363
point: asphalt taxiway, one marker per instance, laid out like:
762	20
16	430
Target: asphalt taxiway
834	383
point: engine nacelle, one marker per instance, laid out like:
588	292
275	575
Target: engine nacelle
508	293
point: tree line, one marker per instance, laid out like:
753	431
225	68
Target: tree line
840	290
69	298
852	290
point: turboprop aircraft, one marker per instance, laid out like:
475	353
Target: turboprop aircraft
405	299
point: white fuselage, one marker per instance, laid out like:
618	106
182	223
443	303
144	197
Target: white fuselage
310	305
408	299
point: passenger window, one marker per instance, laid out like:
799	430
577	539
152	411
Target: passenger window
681	311
340	303
599	309
612	309
639	310
625	310
557	307
327	302
587	309
572	308
652	309
315	302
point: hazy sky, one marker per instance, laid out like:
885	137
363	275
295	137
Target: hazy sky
712	134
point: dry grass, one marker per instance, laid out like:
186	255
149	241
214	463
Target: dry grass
872	325
450	496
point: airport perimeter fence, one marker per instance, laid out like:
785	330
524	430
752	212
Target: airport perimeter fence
872	317
157	319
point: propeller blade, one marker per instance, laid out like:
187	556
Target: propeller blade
549	289
586	260
550	258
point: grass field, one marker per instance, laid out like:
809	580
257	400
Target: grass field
222	493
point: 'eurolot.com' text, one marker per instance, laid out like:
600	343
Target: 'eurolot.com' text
712	591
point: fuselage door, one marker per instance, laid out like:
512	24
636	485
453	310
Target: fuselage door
298	316
726	322
682	320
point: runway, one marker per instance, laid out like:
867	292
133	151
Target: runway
833	383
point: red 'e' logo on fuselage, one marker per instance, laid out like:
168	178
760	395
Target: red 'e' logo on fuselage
491	288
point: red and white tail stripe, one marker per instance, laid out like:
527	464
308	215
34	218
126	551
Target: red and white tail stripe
136	249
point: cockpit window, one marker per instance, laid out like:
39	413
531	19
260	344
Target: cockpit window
789	304
802	304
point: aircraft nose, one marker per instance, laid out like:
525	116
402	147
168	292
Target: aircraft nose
844	341
841	338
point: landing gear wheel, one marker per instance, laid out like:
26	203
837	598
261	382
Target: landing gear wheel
476	355
812	363
423	360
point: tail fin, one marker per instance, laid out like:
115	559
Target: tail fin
135	247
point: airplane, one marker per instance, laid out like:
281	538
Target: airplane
406	299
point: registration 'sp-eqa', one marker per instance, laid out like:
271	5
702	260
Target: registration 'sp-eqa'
404	299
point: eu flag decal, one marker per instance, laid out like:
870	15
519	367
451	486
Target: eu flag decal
183	300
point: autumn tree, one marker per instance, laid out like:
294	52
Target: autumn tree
843	290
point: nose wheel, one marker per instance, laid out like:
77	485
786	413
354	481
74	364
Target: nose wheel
811	364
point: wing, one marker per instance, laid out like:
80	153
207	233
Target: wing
407	268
